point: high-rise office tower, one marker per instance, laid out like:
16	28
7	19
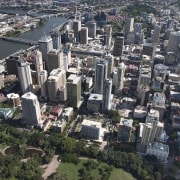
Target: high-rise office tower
149	50
110	59
101	68
118	46
45	45
31	109
173	43
130	38
120	76
106	103
77	29
91	29
108	30
84	35
56	85
137	28
56	39
24	74
42	81
74	91
38	63
156	33
55	60
129	23
170	23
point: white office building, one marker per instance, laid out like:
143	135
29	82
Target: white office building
42	81
107	97
92	130
24	74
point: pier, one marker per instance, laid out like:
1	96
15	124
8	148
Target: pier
19	40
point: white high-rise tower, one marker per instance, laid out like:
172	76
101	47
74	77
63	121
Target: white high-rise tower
24	74
106	104
31	109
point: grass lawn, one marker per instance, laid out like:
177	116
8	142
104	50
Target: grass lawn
118	174
71	171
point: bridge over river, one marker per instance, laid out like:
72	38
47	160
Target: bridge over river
19	40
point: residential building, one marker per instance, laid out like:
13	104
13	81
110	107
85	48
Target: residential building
31	109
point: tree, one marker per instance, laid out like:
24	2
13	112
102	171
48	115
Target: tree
68	145
157	176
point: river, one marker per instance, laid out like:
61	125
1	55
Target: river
7	48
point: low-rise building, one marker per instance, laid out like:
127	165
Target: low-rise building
6	113
67	113
161	151
14	99
92	130
140	112
58	126
56	111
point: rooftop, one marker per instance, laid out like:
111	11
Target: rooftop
156	146
92	123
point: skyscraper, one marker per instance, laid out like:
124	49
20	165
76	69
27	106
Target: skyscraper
91	29
173	43
106	104
55	60
101	68
108	30
77	29
110	59
118	46
137	28
24	74
84	35
156	33
120	76
56	38
38	63
56	85
31	109
74	90
45	45
129	23
42	81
